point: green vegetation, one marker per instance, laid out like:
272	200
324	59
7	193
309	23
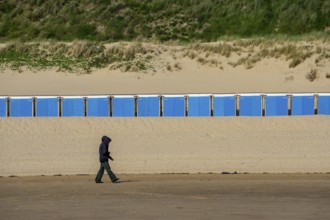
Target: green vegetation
74	57
84	56
79	35
160	20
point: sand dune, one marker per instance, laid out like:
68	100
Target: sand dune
179	69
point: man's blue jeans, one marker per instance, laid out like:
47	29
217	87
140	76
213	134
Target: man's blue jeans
105	165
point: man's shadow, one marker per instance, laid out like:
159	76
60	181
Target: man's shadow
126	181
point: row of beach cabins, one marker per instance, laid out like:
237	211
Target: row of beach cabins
159	105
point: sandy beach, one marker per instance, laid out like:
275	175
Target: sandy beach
183	196
49	146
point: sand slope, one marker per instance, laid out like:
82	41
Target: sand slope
218	67
35	146
263	78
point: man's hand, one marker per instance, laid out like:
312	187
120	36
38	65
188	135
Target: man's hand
110	158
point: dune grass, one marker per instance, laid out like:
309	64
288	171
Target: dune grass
79	56
84	56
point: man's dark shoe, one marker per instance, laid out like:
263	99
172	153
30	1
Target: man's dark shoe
98	182
115	181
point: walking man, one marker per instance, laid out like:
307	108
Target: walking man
104	156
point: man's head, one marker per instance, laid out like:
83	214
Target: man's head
106	139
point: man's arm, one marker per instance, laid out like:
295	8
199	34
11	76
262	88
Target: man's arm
108	155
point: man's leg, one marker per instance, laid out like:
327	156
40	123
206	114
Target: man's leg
112	176
99	174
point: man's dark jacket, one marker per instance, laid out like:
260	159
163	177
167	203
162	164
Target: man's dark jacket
104	149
